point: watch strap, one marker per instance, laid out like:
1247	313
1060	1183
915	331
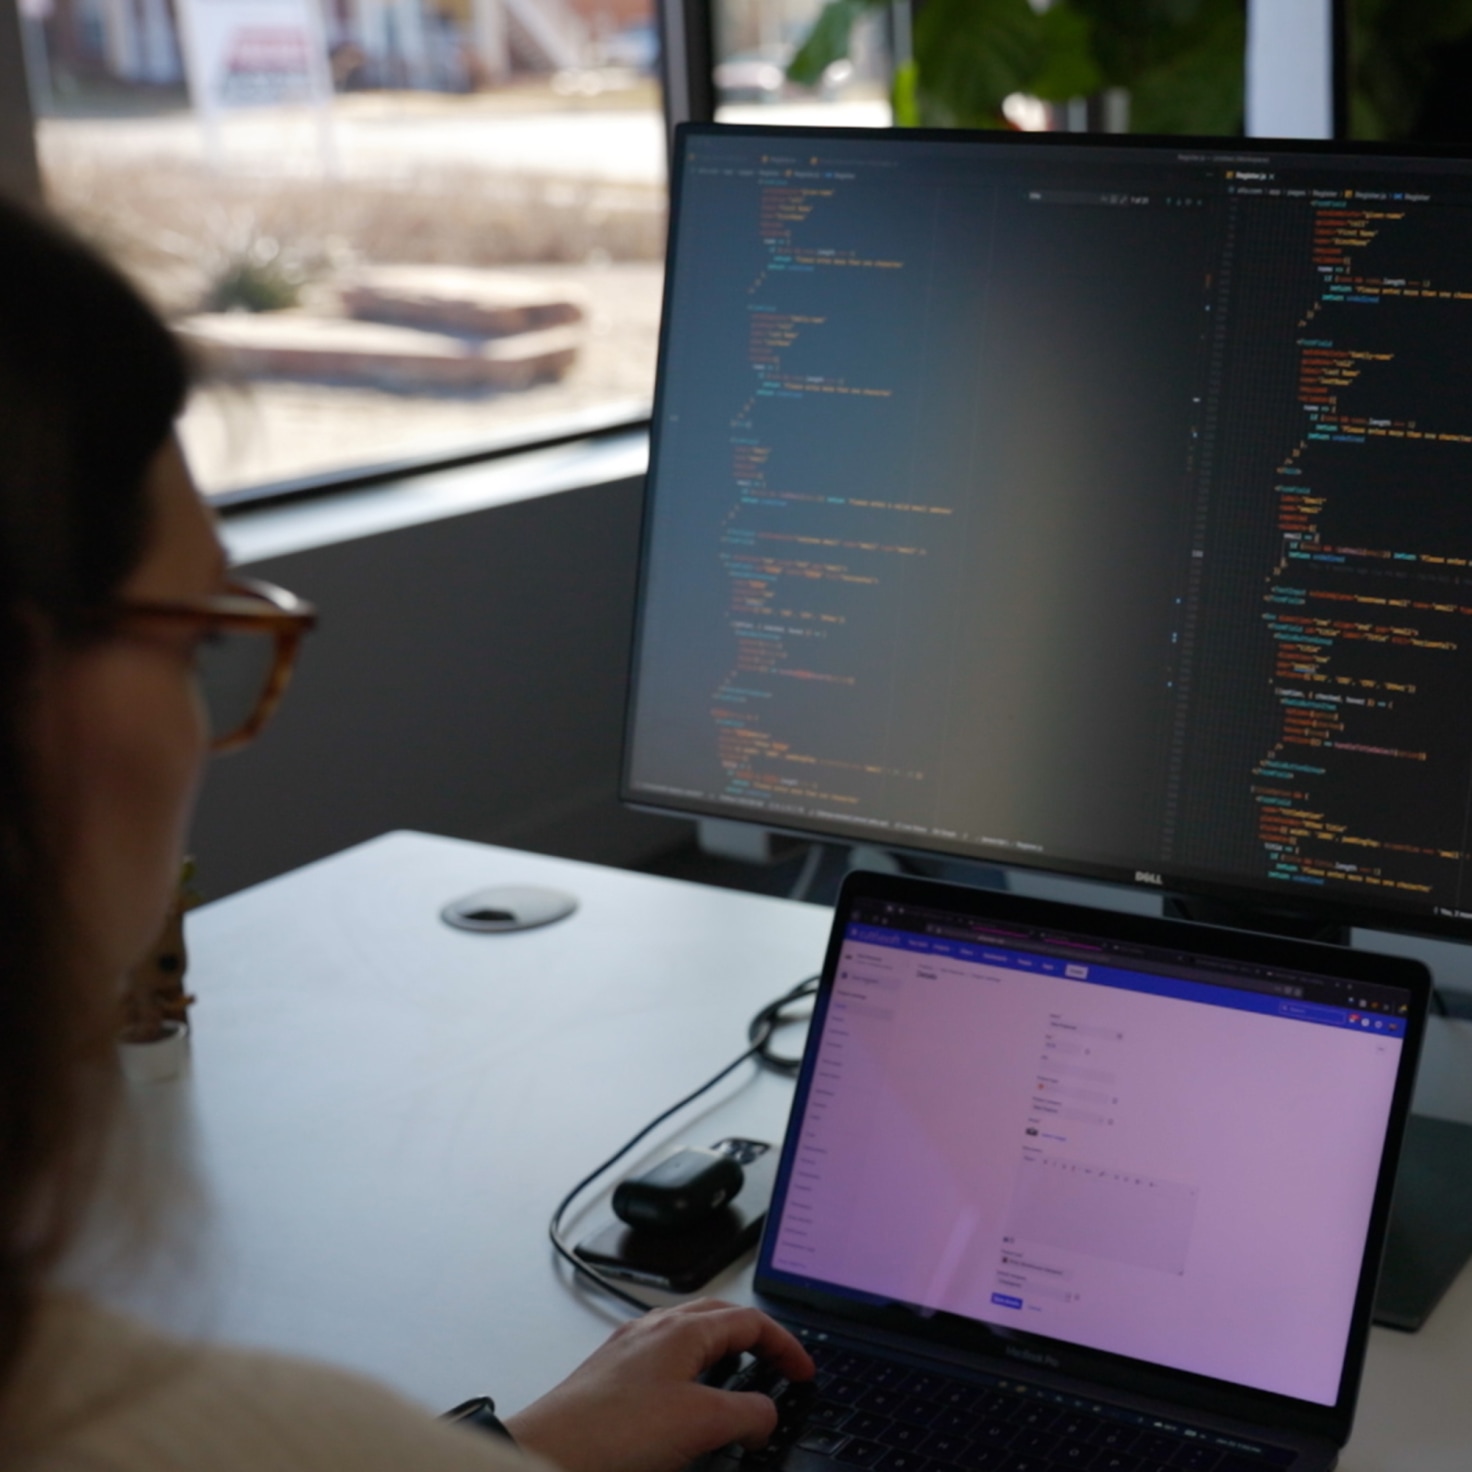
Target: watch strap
480	1412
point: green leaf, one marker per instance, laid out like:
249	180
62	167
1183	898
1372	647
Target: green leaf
970	54
1068	68
828	41
903	95
1393	47
1200	85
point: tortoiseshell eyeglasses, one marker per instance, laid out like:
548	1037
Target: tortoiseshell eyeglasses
250	637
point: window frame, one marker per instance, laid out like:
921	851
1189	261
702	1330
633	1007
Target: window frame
20	169
687	62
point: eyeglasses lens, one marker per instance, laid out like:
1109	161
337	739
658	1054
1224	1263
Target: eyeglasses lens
234	669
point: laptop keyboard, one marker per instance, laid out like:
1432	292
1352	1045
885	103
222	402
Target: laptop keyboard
879	1415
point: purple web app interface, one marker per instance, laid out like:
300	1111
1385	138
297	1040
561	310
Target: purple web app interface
1125	1159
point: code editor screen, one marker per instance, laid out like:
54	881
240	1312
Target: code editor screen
1100	508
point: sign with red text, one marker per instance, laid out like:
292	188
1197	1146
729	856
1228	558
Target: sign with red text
254	53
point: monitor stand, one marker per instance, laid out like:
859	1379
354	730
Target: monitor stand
1430	1237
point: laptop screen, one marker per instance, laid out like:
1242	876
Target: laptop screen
1147	1151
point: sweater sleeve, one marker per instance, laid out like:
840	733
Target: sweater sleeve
104	1394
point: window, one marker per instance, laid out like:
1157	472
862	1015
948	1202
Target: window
399	228
753	42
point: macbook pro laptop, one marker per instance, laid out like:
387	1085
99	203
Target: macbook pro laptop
1067	1188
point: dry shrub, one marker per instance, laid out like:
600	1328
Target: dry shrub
179	228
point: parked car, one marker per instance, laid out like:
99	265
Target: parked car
761	76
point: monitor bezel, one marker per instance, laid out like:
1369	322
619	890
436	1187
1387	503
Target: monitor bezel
1252	907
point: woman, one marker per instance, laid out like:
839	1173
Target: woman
111	581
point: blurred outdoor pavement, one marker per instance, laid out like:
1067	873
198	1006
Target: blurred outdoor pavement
387	136
390	136
568	193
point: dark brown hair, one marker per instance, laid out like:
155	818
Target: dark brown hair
90	384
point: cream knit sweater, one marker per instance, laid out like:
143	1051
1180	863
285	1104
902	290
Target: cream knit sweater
98	1392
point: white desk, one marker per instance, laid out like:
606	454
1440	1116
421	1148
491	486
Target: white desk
384	1111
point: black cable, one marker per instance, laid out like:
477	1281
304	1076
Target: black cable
763	1028
760	1032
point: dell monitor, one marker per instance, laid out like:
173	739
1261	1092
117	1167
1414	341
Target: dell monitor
1099	506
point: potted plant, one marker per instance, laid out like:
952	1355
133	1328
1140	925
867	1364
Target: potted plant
1178	62
154	1027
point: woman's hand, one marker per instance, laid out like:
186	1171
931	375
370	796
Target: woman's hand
635	1404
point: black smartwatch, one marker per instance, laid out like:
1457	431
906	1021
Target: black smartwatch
480	1412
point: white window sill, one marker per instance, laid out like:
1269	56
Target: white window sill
252	534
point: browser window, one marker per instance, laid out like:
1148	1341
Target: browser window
1096	1151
